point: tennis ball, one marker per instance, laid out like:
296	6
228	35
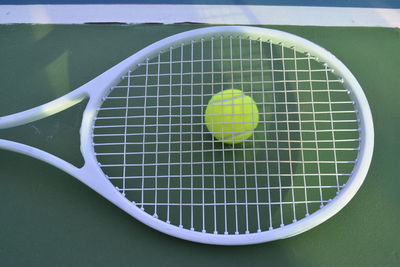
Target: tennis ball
231	116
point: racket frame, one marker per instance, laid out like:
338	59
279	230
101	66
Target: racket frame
96	89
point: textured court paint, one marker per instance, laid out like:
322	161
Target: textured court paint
47	218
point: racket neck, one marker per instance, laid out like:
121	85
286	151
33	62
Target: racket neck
43	111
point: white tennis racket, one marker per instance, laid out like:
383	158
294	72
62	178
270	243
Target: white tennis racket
147	150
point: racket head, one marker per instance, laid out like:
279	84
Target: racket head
94	166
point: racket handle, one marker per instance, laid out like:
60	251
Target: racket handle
42	111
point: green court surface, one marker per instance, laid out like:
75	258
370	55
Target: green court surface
48	218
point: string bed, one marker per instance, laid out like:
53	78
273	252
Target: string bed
151	141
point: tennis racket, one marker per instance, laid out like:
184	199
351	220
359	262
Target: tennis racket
147	150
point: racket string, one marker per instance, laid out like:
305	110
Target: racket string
149	137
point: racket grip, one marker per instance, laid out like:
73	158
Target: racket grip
42	111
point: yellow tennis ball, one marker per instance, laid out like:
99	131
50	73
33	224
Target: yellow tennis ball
231	116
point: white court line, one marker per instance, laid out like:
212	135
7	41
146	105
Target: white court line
211	14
